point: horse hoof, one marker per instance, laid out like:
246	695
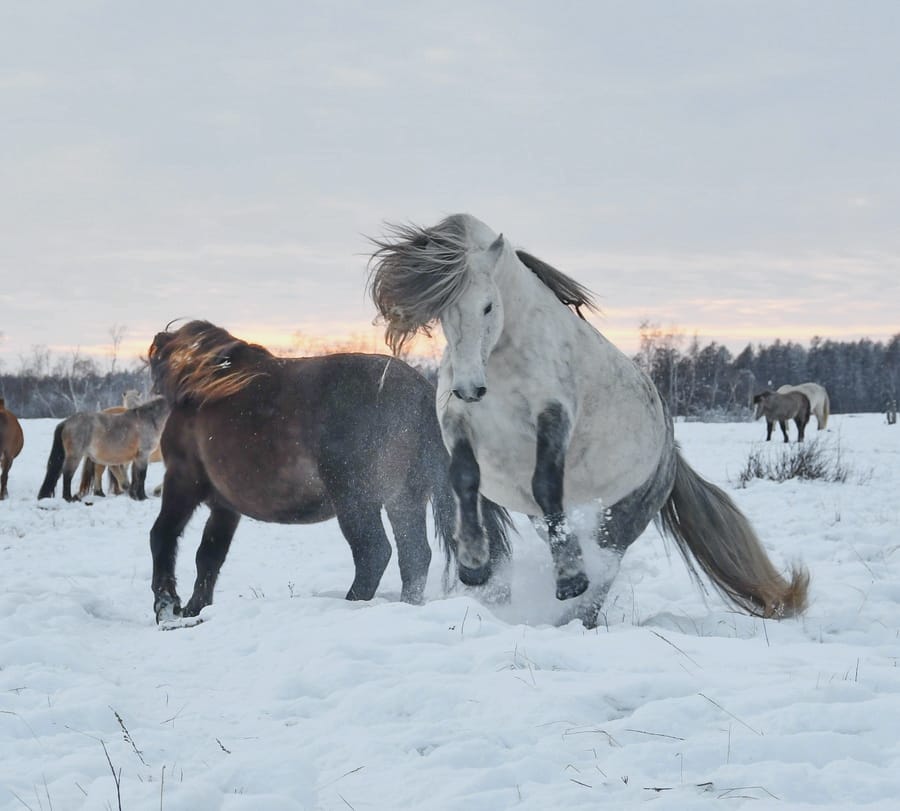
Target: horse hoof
570	587
474	577
167	609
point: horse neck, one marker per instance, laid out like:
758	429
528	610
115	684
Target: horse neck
522	292
158	410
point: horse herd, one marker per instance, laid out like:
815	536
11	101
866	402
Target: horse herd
526	417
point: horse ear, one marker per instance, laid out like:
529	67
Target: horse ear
496	247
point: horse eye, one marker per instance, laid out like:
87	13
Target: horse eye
488	308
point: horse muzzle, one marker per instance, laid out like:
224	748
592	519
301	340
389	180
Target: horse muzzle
470	394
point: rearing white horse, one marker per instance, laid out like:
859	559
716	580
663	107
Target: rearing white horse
543	415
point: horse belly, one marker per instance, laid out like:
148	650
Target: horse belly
104	451
611	454
288	493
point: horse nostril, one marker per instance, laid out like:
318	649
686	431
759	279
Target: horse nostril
457	394
480	392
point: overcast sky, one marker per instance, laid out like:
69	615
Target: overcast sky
728	168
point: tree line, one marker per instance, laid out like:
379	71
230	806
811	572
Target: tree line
696	380
706	381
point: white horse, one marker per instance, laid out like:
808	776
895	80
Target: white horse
818	400
544	416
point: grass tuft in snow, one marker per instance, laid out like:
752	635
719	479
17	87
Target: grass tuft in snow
813	460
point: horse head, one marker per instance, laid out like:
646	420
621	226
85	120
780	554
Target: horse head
761	400
472	324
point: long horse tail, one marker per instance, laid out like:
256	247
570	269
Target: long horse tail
495	519
826	411
54	463
705	522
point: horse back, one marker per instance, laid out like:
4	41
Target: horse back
276	449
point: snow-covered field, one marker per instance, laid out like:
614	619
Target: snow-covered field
288	697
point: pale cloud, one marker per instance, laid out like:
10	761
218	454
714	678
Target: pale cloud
727	169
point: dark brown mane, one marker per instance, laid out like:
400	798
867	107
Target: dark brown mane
202	363
571	293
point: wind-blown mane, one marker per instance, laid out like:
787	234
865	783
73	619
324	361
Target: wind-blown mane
202	363
416	273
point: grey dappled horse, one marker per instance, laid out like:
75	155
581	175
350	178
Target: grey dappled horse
544	416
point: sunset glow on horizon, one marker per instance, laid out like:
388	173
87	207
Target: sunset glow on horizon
370	339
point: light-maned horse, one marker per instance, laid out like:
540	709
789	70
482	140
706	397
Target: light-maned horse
780	408
544	416
819	403
92	474
12	440
299	441
106	439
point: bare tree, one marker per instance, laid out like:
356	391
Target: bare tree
116	334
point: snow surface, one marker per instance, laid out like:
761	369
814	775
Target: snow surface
288	697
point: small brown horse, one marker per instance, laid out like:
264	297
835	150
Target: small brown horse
299	441
92	474
11	442
107	439
783	407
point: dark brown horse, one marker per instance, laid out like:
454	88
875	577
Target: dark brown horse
11	442
298	441
780	408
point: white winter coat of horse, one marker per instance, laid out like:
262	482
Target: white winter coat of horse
545	416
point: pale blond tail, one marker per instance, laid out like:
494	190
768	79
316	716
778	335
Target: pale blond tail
826	410
711	531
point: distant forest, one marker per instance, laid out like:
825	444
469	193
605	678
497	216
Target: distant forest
706	381
701	381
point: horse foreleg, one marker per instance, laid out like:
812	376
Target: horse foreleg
801	428
217	535
553	430
180	499
473	551
783	425
769	426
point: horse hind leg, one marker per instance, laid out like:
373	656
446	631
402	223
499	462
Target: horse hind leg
5	465
360	522
118	479
407	517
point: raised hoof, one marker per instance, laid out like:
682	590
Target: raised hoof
474	577
570	587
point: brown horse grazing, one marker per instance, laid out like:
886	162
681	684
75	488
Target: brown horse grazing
11	442
783	407
92	474
299	441
107	439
